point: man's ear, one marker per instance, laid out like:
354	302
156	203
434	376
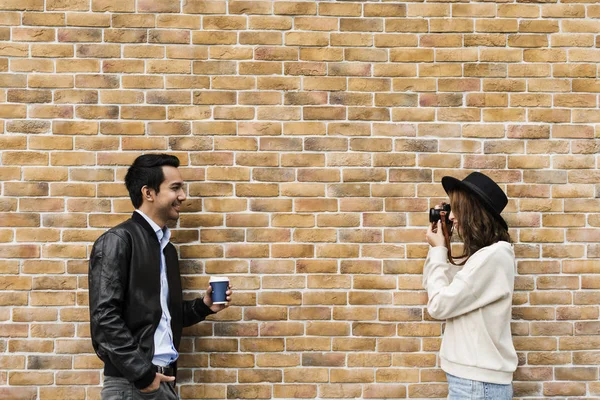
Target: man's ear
147	194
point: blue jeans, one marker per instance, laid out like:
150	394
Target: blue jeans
466	389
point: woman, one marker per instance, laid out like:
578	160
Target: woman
477	352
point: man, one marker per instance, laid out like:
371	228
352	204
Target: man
137	311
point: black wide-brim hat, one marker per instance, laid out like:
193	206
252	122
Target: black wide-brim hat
484	189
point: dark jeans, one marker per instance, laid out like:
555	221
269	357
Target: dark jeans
121	389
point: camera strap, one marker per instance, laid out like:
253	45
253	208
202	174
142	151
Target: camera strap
446	236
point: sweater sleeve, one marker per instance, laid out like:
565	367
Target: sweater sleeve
489	280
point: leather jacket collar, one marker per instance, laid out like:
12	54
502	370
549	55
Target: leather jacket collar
140	220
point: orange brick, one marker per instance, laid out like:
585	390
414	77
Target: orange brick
299	122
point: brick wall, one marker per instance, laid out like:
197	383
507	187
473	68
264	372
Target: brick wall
313	136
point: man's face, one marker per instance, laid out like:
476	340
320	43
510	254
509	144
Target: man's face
167	202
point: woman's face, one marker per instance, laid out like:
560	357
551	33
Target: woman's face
454	220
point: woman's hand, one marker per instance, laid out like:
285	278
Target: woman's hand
435	236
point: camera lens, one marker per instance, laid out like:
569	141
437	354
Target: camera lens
435	216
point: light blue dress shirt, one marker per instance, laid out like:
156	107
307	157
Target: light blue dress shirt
164	350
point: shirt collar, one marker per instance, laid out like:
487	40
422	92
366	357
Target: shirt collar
160	232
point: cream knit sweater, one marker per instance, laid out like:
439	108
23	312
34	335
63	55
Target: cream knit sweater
476	301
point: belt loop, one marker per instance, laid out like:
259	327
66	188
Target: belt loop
168	370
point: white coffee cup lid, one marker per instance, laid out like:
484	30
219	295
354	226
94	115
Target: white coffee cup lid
219	279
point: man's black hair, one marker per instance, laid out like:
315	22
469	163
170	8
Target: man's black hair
147	170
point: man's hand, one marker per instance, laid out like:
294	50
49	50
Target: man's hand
217	307
435	236
156	382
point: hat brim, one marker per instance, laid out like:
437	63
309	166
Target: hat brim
450	183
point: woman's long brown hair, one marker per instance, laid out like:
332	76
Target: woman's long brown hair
478	228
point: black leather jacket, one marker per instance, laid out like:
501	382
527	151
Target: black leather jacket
124	290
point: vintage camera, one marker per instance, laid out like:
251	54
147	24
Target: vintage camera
435	216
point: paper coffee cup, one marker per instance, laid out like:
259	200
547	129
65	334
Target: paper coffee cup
219	286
